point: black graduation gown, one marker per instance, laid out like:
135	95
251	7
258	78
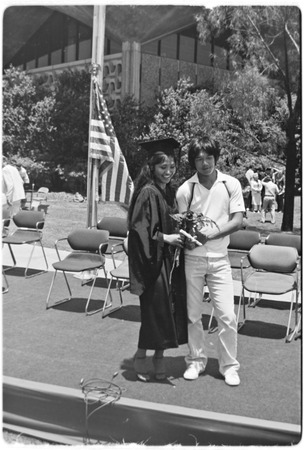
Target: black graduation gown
163	305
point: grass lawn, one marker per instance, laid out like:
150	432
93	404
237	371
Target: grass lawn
65	215
267	227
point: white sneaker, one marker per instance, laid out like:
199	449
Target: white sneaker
193	371
232	378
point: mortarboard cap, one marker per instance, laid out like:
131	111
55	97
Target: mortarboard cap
166	145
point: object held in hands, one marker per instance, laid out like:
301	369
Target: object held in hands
191	238
189	224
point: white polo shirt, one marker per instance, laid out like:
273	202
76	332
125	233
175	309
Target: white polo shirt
224	198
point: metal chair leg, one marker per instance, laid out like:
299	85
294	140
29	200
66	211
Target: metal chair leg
41	271
296	331
87	313
107	305
51	287
13	258
215	328
91	290
29	260
6	287
241	303
256	300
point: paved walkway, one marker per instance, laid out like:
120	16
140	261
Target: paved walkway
22	253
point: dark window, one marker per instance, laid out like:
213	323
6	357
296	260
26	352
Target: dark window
60	39
84	42
186	49
115	47
57	25
150	47
71	40
169	46
203	54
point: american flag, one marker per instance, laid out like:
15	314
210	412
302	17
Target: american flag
116	183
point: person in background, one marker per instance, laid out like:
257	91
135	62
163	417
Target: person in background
5	207
152	241
246	190
23	174
256	188
219	197
25	178
12	186
280	182
249	174
269	200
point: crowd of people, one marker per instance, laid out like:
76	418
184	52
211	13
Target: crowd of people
265	194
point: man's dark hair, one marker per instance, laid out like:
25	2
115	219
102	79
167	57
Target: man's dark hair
206	144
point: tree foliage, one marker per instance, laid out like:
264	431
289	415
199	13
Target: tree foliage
130	120
71	115
46	127
267	38
27	125
249	139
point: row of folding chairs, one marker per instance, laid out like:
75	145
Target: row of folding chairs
88	249
274	265
269	268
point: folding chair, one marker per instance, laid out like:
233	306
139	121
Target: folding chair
289	240
117	228
39	197
121	274
41	194
29	231
285	240
274	272
88	247
241	242
281	239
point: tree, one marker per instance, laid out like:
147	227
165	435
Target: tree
71	116
130	120
252	126
27	126
173	118
268	38
186	111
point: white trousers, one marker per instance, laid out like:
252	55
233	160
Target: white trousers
217	272
15	207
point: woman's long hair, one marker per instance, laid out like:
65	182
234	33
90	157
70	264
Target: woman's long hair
146	176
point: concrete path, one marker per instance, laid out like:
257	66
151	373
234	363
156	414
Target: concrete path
22	253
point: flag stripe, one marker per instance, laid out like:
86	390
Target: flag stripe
116	183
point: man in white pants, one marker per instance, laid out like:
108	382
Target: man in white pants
219	197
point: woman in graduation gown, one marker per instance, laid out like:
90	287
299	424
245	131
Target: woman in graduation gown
152	241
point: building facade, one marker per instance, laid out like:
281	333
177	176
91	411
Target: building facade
140	59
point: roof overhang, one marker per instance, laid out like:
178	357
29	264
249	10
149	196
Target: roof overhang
123	22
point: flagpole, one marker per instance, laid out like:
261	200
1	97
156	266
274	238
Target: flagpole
97	73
